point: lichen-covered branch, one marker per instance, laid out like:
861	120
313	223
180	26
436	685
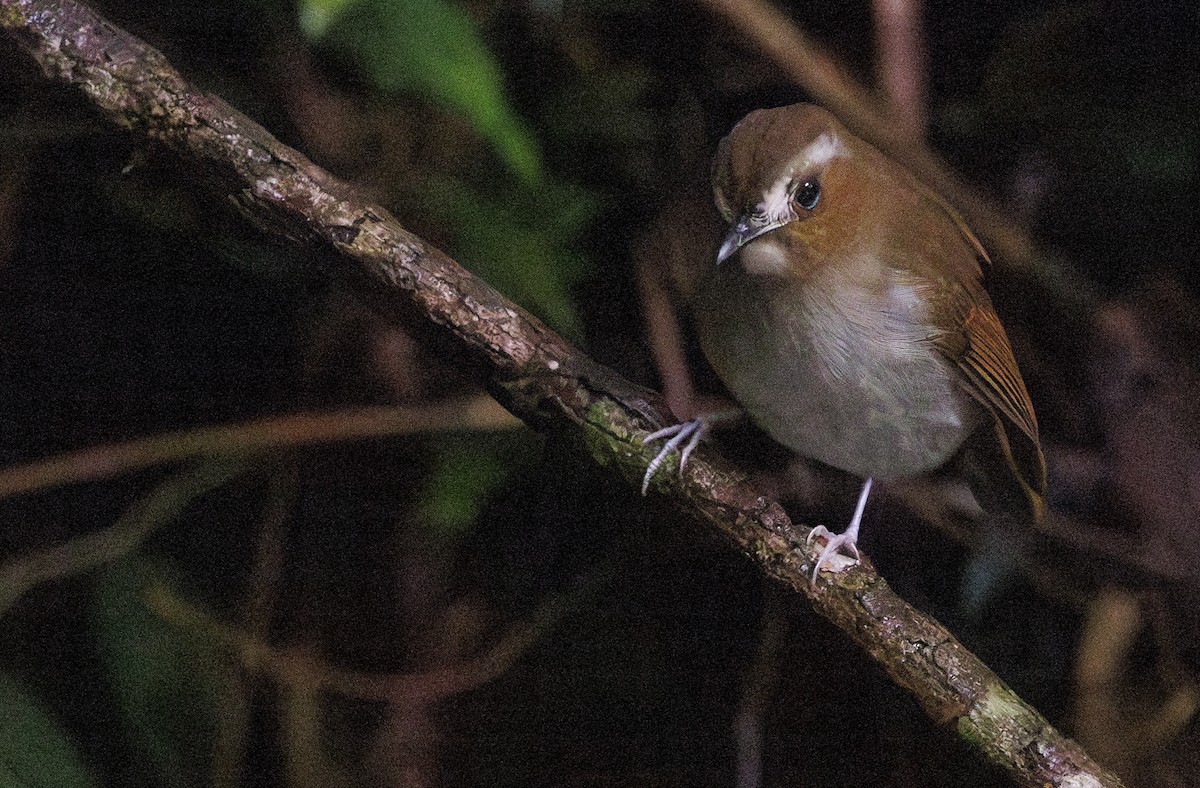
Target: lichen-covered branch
530	369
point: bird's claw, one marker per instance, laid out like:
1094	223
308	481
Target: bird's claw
847	540
690	431
834	545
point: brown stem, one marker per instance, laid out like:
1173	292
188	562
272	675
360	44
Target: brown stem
300	668
530	369
273	432
105	545
900	62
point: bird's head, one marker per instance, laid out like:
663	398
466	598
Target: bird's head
788	182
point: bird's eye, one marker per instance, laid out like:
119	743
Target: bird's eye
807	194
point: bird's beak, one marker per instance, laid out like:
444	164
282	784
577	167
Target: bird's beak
746	229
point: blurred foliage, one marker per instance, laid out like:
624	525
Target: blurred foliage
519	233
1053	76
430	47
467	471
608	117
35	752
1107	94
168	680
520	241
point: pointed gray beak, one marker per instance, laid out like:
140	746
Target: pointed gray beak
746	229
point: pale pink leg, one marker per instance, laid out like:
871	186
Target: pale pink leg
690	431
848	539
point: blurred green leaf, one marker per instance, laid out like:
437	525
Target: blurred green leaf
520	243
35	751
430	47
168	681
1131	117
468	470
316	16
464	475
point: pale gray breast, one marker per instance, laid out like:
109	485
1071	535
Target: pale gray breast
845	376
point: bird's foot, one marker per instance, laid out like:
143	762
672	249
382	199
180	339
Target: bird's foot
833	553
836	543
689	433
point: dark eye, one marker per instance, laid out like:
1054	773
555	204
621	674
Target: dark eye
807	194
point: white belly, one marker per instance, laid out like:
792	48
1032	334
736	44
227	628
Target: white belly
846	377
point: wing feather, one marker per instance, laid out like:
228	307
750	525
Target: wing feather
973	339
992	370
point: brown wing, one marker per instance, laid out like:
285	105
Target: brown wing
976	343
1003	464
974	340
1007	459
991	369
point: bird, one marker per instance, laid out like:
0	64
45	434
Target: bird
846	314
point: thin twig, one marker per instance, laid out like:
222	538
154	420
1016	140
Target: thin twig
900	62
273	432
234	716
300	668
757	691
106	545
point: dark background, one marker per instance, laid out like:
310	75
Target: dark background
542	145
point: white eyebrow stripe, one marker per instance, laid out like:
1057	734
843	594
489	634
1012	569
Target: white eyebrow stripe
776	202
821	150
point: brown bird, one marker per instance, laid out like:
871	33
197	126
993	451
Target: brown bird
846	314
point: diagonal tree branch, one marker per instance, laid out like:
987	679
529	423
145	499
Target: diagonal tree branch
530	369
